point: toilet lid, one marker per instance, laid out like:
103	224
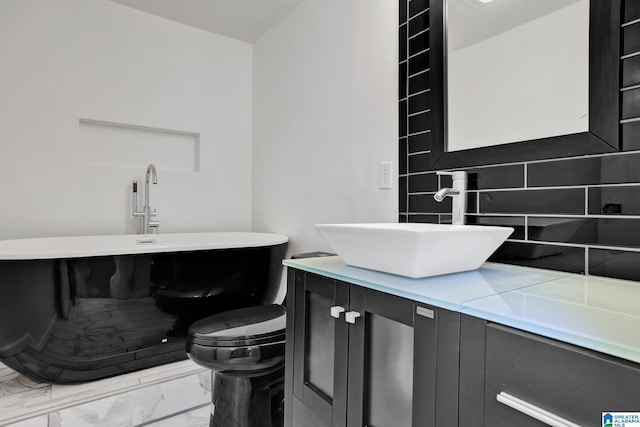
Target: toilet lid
242	327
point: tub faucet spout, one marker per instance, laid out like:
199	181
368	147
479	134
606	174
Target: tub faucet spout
151	173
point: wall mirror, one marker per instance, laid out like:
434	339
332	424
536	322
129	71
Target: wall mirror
518	80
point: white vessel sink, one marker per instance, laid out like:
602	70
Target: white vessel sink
414	250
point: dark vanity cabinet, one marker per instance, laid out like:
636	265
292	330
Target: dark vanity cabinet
359	357
513	378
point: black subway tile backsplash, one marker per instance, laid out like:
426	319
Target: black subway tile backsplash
614	169
630	104
402	198
616	232
427	219
472	202
420	102
417	160
613	263
553	257
402	118
552	201
580	215
418	23
417	6
614	200
420	142
631	10
424	203
631	71
630	37
511	176
630	135
445	219
419	43
402	43
402	84
419	83
515	222
418	63
423	183
402	154
403	11
419	122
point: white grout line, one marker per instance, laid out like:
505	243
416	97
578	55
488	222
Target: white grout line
626	88
417	14
630	55
419	153
420	72
626	24
416	34
419	53
428	110
420	93
419	133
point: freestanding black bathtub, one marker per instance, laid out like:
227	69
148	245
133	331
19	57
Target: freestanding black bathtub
76	309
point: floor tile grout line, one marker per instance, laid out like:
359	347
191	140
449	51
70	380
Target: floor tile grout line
168	416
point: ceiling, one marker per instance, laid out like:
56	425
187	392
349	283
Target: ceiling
244	20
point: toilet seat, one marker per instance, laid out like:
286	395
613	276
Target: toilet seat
246	339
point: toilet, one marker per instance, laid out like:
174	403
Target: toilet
244	349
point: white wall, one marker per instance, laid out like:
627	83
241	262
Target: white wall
325	115
544	62
67	59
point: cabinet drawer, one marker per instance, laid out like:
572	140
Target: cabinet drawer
570	382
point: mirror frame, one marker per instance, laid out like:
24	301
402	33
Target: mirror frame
604	98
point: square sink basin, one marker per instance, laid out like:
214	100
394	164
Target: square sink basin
414	250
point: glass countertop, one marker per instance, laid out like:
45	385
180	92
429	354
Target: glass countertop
449	291
593	312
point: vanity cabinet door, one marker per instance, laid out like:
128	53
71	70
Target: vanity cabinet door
320	349
528	375
392	362
359	357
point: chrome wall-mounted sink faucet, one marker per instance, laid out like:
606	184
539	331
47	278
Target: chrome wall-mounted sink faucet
146	213
458	195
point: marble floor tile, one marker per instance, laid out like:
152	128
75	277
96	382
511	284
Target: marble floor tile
41	421
25	398
141	406
195	418
16	383
22	398
5	372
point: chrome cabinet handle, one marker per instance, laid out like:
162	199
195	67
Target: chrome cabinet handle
336	310
351	316
539	414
